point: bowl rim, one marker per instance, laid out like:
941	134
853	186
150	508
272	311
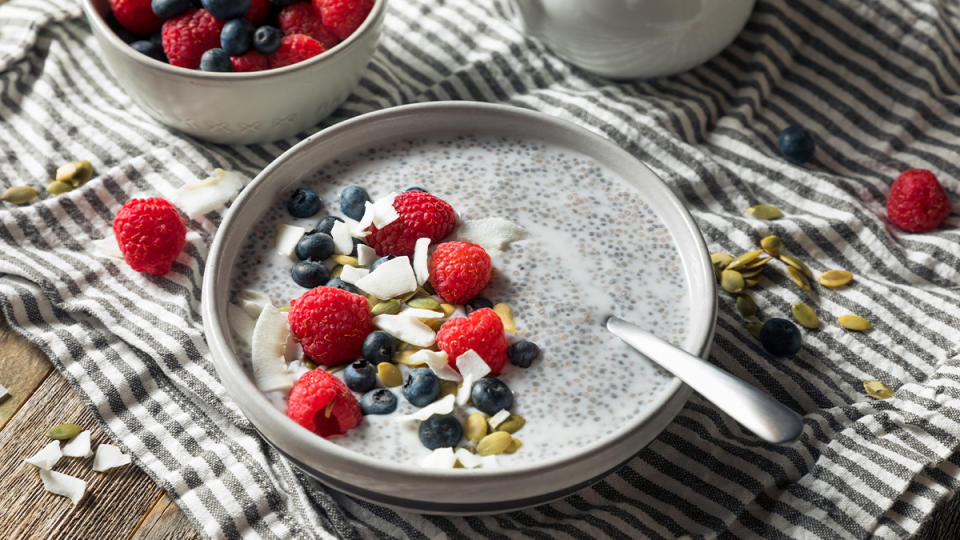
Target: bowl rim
97	20
239	385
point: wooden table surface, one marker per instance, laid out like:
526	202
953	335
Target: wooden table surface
123	502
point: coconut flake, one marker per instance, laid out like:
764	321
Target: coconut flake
352	274
443	405
406	329
420	267
498	418
468	460
418	313
385	212
252	301
297	369
241	324
108	246
437	361
472	369
369	211
78	446
286	240
366	255
208	195
109	456
342	239
292	351
492	233
356	229
441	458
3	392
267	351
68	486
47	457
392	278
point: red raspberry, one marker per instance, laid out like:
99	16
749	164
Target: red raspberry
188	35
258	11
293	49
330	324
917	202
481	331
321	403
150	233
136	16
250	61
459	271
302	18
343	16
421	215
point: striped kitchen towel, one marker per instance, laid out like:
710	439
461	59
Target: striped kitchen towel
878	83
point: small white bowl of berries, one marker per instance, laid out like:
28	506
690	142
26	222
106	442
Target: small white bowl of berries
237	71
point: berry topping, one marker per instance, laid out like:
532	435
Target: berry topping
352	202
325	225
491	396
440	431
227	9
309	274
321	403
302	18
917	202
293	49
379	401
166	9
343	16
250	61
330	324
523	353
459	271
315	246
216	60
150	48
136	16
304	203
416	188
259	9
422	387
796	144
151	234
422	215
237	36
378	347
360	376
187	36
780	337
478	302
338	283
266	39
481	331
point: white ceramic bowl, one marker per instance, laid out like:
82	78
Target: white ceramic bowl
629	39
239	108
443	491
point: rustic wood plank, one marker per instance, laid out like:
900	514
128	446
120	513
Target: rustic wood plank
22	368
165	522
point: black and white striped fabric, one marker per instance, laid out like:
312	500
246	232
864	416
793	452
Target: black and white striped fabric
878	83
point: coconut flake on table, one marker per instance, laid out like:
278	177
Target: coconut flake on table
441	458
366	255
472	369
404	328
211	194
109	456
78	446
342	239
385	213
267	347
108	246
47	457
286	239
443	405
391	279
491	233
420	267
352	274
437	362
68	486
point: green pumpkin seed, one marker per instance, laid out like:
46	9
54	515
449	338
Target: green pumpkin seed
835	278
403	357
19	194
877	390
506	316
805	315
772	244
755	264
424	303
475	428
345	260
515	445
731	281
746	306
764	211
750	282
854	322
63	432
494	443
752	273
798	278
448	309
754	328
75	173
336	368
448	388
390	307
389	374
744	259
512	424
284	309
720	260
59	188
798	264
337	270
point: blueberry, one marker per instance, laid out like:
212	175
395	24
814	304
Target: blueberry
170	8
309	274
125	35
422	387
303	203
491	396
477	303
380	261
236	37
149	48
378	346
440	430
352	200
796	144
416	188
360	376
379	401
227	9
338	283
266	39
325	225
216	60
523	353
316	247
780	337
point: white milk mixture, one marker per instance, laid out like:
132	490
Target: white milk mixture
594	249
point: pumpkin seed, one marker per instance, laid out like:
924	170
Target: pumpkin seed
755	264
494	443
744	259
750	282
731	281
475	428
448	388
434	323
754	328
345	260
798	278
389	307
424	303
720	260
772	244
336	368
403	357
337	270
515	445
754	272
805	315
389	374
76	172
506	315
62	432
854	322
746	306
877	390
58	188
284	309
19	194
798	264
512	424
835	278
448	309
764	211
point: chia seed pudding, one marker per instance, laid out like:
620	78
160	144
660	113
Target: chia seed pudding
594	249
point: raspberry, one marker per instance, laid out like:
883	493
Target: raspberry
331	324
258	11
343	16
293	49
136	16
187	36
321	403
459	271
302	18
917	202
250	61
481	331
150	233
421	215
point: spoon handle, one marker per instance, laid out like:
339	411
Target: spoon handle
766	417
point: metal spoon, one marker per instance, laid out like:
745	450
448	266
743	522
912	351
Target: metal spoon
766	417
